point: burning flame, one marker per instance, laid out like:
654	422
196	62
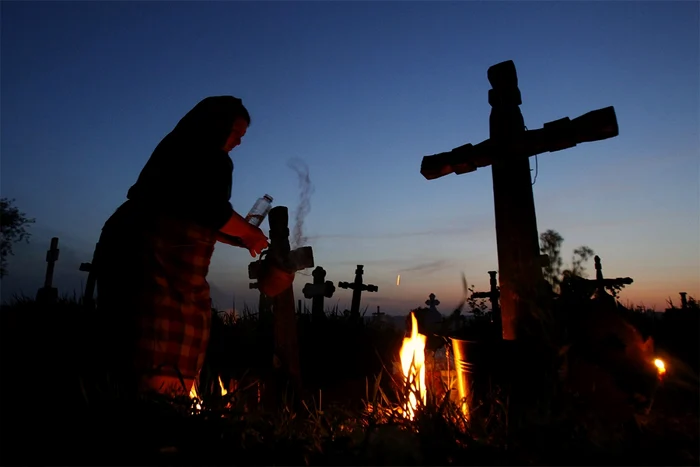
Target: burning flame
660	366
412	357
198	401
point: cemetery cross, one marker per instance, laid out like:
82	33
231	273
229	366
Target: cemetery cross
318	290
357	287
507	151
493	295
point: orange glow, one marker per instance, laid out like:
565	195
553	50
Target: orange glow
412	355
660	366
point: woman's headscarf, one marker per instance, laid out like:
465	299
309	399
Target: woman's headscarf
190	159
208	124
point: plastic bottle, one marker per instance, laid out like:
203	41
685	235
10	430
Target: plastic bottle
259	210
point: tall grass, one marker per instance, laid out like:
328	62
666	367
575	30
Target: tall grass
350	414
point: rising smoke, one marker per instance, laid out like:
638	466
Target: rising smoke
305	190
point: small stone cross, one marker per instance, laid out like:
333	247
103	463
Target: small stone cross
432	302
319	289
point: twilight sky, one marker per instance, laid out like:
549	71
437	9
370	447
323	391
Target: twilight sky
361	91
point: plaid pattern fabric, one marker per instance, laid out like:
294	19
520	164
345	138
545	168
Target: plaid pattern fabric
152	276
174	329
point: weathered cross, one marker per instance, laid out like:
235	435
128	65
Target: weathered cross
584	288
282	257
493	295
48	293
357	288
318	290
507	151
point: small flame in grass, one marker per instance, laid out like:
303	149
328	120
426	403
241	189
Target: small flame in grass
412	357
195	396
223	389
660	366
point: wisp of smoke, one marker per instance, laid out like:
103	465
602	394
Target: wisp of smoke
305	190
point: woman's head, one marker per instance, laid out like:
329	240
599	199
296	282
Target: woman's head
215	122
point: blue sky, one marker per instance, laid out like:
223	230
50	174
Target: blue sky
361	91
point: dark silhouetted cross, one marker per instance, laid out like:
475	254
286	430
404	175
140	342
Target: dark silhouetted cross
357	287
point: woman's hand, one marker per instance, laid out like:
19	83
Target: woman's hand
251	236
254	240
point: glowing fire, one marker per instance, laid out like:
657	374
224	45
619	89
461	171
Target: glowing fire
412	357
195	397
660	366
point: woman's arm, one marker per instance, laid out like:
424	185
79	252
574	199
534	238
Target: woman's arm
236	226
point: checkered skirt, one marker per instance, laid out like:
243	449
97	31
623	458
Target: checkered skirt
152	276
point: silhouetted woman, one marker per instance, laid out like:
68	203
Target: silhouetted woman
155	250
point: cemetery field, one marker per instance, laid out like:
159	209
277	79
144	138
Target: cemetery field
58	407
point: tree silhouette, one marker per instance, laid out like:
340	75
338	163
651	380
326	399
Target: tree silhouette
12	230
581	255
550	244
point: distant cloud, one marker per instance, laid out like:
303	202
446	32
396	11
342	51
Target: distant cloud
402	265
429	267
397	235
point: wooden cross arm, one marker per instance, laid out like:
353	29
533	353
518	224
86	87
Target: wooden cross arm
295	260
553	136
370	288
329	289
346	285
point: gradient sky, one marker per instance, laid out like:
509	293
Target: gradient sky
361	91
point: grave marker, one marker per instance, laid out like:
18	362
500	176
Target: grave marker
357	287
316	291
507	151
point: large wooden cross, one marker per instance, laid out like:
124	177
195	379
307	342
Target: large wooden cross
507	151
318	290
357	287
